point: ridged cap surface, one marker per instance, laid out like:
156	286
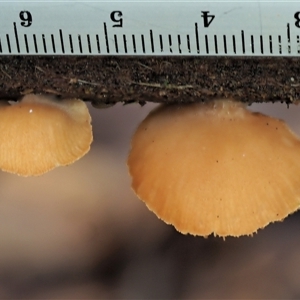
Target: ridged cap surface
215	168
38	134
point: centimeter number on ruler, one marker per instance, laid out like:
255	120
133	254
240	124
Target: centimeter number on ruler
219	28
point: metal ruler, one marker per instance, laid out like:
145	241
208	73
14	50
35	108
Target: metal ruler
152	28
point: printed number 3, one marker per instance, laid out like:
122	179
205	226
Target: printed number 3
297	17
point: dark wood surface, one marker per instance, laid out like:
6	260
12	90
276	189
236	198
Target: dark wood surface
164	79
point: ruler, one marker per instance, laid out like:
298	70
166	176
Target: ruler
150	28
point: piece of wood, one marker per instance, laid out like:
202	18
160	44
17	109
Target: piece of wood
107	80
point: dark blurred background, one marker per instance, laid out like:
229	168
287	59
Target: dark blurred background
79	232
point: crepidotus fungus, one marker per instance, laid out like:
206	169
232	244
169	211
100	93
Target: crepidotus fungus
40	133
215	168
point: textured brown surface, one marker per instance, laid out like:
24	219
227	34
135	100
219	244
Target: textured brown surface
114	79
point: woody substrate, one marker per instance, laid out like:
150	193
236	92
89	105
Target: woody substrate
109	80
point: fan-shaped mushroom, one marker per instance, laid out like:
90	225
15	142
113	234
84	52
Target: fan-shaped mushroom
40	133
215	168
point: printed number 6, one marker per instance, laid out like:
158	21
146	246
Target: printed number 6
26	17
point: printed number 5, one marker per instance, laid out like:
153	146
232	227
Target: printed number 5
115	16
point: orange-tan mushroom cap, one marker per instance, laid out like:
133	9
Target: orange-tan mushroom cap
40	133
215	168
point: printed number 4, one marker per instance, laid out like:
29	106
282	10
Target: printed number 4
207	19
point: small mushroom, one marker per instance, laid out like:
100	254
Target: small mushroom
39	133
215	168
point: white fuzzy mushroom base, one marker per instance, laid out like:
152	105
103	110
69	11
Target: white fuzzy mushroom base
215	168
39	133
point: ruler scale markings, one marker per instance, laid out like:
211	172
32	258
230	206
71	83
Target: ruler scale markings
216	44
16	36
206	26
88	39
161	43
197	39
156	43
53	43
279	44
188	43
206	44
170	43
44	43
97	43
288	37
8	43
106	38
125	43
62	41
116	43
35	43
252	44
71	43
179	43
133	43
26	43
79	43
225	44
143	43
151	41
234	45
243	41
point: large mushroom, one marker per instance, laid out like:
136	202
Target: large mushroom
215	168
39	133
